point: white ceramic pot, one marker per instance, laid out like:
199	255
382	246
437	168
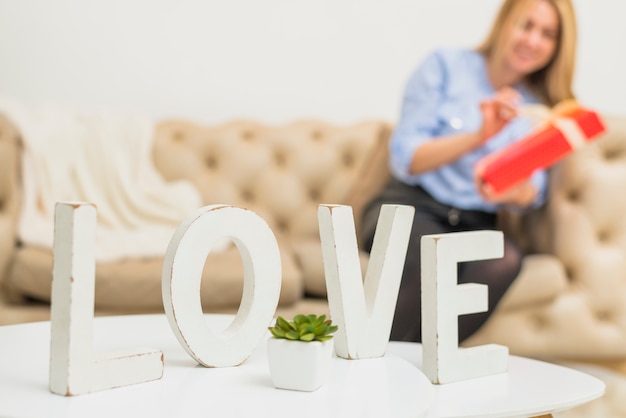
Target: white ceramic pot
299	365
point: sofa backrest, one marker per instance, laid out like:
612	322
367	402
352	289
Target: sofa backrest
281	172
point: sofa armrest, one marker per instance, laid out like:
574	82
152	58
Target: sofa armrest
540	283
541	280
10	146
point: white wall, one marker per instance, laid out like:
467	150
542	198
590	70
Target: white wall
273	60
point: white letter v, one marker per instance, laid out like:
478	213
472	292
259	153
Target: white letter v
363	309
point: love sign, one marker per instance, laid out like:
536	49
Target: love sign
363	309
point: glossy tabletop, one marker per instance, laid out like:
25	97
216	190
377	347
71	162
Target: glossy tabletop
391	386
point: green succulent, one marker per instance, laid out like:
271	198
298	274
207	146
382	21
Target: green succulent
304	328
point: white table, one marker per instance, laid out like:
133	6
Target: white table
386	387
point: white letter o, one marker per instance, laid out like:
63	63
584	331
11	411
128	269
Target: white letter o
182	276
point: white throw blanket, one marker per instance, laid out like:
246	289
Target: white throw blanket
105	158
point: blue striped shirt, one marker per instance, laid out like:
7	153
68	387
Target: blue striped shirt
443	98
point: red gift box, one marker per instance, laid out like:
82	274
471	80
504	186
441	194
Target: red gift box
541	149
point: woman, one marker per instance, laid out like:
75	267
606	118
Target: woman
459	106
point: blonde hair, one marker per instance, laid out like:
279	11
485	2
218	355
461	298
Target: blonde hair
553	83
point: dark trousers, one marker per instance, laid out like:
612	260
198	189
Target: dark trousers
433	217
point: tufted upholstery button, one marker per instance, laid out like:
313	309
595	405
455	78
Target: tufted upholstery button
280	159
347	159
282	226
539	322
247	196
247	135
315	195
178	136
604	315
603	236
573	195
613	154
317	135
211	162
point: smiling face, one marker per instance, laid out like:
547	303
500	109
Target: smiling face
532	40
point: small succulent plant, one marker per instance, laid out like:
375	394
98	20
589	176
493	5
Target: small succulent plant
304	328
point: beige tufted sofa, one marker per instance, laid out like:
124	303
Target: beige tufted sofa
280	172
568	302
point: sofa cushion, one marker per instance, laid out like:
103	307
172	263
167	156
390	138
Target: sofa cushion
135	284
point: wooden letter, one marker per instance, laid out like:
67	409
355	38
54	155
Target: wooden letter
363	309
73	369
443	300
182	276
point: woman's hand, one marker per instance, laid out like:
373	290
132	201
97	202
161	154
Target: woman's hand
521	195
498	111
